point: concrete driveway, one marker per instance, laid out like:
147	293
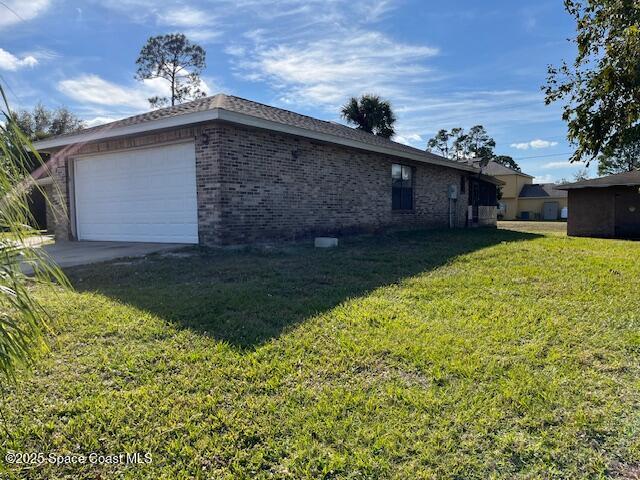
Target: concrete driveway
69	254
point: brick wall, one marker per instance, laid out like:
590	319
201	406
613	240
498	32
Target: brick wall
272	185
591	213
58	212
256	185
596	212
208	182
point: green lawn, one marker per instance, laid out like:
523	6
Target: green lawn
465	354
531	226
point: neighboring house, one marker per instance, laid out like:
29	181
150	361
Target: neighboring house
541	201
225	170
605	207
523	199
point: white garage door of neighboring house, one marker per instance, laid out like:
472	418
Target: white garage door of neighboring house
145	195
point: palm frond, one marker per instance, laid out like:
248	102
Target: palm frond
23	320
371	114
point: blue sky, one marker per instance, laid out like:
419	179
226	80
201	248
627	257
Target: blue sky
442	64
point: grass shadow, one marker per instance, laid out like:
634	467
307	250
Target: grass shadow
248	296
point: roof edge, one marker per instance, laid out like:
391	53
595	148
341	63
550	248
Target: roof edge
606	181
572	186
221	114
538	198
112	132
513	172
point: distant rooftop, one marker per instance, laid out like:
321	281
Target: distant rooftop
541	190
494	168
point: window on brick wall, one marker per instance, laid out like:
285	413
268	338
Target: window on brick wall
401	187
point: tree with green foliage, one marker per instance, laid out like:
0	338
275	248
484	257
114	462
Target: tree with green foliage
371	114
477	143
625	158
23	319
580	175
440	143
459	144
178	61
601	87
507	161
42	122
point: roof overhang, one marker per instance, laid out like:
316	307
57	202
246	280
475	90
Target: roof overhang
112	132
577	187
491	179
219	114
512	172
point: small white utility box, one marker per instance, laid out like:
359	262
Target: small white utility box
453	192
326	242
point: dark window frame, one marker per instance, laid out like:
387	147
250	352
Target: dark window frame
402	189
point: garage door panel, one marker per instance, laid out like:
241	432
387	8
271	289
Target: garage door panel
134	232
143	195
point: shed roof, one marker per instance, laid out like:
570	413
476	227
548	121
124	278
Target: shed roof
246	112
619	179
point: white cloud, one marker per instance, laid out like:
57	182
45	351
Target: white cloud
311	55
536	144
198	25
412	139
99	120
542	144
184	17
544	179
374	11
328	70
10	62
557	165
203	35
329	62
235	50
95	90
16	11
92	89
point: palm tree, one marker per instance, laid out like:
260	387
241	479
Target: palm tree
23	319
371	114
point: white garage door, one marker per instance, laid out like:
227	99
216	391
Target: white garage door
146	195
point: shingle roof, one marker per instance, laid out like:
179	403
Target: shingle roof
495	168
256	110
541	190
625	178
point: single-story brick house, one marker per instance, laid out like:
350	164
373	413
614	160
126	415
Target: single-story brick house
605	207
225	170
